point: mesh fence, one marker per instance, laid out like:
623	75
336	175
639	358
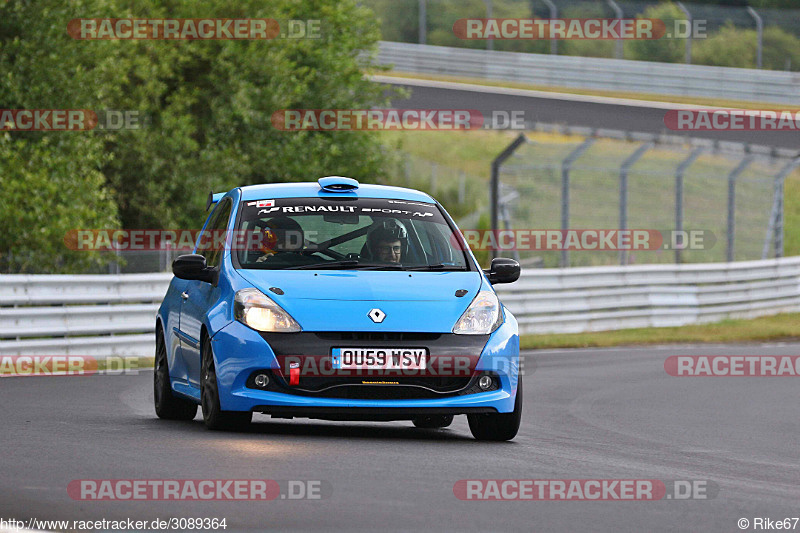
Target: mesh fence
536	175
530	194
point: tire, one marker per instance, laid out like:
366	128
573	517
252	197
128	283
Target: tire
167	405
213	415
498	426
433	421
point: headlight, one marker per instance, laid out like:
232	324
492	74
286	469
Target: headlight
253	308
482	317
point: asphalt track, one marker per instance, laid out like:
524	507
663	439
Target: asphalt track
569	109
609	414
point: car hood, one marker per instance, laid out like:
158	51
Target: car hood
340	300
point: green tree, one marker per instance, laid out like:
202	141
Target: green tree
47	189
209	103
50	182
587	47
399	19
781	49
736	47
665	49
730	47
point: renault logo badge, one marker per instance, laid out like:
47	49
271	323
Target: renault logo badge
376	315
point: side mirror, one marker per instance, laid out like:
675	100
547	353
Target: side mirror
503	270
193	267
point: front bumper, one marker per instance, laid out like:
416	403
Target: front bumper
240	352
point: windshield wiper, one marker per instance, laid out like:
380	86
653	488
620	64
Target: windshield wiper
348	263
439	266
333	264
381	266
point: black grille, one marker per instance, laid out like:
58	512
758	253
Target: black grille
319	344
390	336
378	392
366	388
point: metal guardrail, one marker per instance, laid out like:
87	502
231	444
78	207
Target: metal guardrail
575	300
115	315
595	73
97	315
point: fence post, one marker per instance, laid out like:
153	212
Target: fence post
117	254
779	218
490	40
169	257
760	30
775	228
553	14
565	168
618	14
735	173
507	223
494	186
623	192
422	21
688	15
679	196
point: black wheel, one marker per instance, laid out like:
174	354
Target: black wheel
213	415
168	406
498	426
433	421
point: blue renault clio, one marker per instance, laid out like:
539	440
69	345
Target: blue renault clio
337	301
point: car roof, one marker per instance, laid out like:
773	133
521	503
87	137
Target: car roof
313	190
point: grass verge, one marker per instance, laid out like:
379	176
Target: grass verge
783	327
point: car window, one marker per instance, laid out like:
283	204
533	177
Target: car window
217	224
316	230
374	233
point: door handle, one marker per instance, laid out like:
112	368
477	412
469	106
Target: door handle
185	295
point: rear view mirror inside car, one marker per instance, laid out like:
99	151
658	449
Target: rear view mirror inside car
340	218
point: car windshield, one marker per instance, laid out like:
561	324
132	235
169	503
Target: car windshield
347	233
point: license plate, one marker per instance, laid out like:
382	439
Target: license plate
379	358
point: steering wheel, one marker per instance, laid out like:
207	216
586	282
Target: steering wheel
322	250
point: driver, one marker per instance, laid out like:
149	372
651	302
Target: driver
387	241
281	235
